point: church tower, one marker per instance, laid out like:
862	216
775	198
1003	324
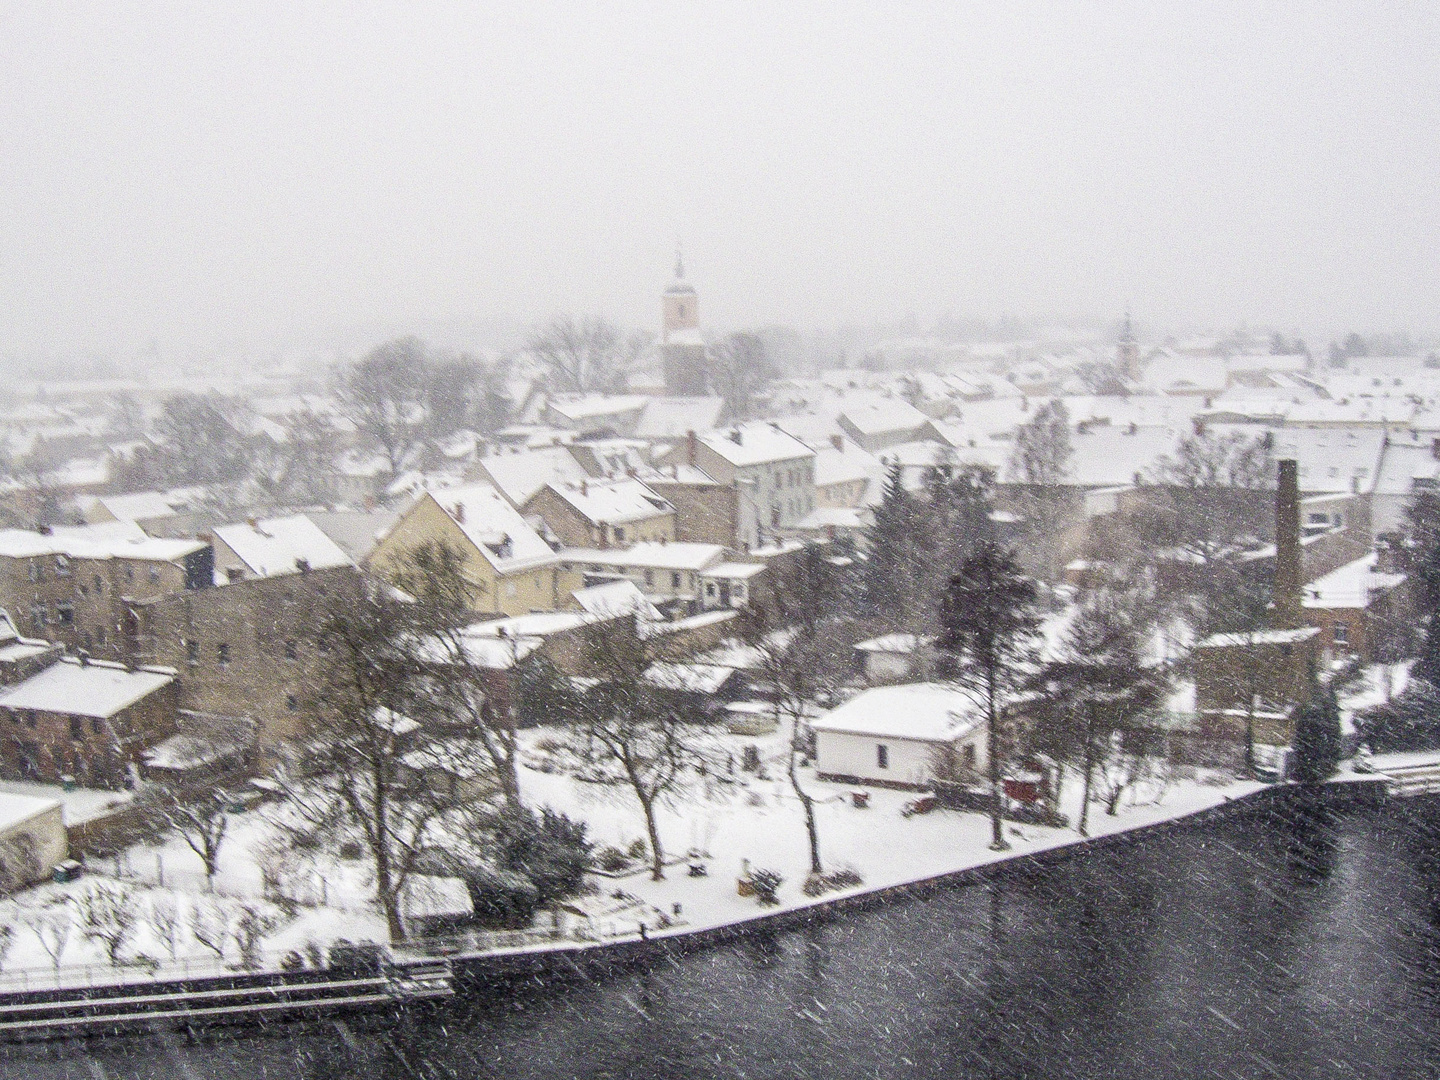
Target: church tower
1127	351
680	310
682	349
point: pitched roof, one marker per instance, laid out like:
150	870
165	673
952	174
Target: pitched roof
755	444
519	476
277	546
651	554
612	501
928	712
495	527
98	688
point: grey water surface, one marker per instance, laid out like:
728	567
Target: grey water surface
1272	943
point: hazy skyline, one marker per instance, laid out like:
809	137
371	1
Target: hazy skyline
262	176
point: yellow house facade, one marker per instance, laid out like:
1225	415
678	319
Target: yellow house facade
511	569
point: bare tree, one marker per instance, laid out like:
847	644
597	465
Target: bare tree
434	574
371	714
385	395
798	636
298	469
52	926
164	920
585	355
634	725
988	624
210	926
199	816
1213	494
202	440
1038	465
739	368
107	915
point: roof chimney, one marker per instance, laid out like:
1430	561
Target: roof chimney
838	441
1287	588
584	487
736	437
303	565
460	513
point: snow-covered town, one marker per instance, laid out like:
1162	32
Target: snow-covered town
637	635
719	541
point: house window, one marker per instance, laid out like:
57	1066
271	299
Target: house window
709	588
649	577
192	651
292	651
674	580
37	572
97	726
154	573
30	720
882	756
129	572
99	585
100	635
65	614
969	755
1341	633
77	728
14	716
222	653
292	703
619	536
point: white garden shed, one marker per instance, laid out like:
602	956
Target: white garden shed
893	736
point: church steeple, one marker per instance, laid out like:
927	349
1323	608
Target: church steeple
1127	350
680	309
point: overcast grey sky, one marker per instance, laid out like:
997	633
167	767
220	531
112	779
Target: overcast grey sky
260	174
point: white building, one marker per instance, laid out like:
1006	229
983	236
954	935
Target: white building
894	736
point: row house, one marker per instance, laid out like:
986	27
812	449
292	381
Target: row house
73	585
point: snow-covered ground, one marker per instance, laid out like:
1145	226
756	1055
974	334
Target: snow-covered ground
728	819
762	821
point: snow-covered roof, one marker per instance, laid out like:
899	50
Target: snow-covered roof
536	624
142	505
615	598
883	415
845	464
735	571
894	643
356	532
651	554
1351	585
111	540
1258	637
18	809
495	527
755	444
837	517
431	896
612	501
924	712
519	476
97	688
593	405
691	678
672	417
277	546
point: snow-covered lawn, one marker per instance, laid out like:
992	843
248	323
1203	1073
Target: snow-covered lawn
762	821
728	819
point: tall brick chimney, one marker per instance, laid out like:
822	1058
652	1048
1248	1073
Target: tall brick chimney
1288	588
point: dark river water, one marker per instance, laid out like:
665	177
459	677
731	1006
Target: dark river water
1270	944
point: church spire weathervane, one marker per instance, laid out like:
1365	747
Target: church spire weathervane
679	263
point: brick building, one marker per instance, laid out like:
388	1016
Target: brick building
90	720
72	585
245	649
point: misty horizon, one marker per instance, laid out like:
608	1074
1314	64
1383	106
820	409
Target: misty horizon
263	183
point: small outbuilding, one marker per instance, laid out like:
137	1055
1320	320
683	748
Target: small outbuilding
32	839
900	736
